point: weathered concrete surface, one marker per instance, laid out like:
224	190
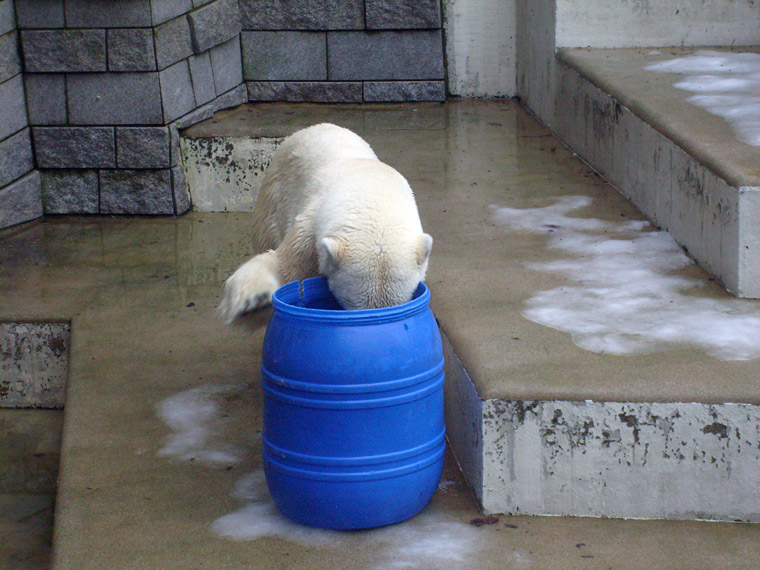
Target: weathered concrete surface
275	120
611	24
652	98
667	460
536	44
480	47
34	360
543	27
141	295
611	459
483	450
506	47
681	166
223	176
712	213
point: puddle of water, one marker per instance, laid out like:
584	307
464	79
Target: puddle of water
726	84
624	294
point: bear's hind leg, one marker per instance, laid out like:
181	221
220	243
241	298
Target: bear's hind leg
251	286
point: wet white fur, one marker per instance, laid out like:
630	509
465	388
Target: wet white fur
328	206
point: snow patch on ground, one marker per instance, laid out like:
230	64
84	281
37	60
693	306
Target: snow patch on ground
428	540
726	84
624	295
190	415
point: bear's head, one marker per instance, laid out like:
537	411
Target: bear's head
370	274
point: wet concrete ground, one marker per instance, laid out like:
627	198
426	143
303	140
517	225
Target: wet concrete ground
141	293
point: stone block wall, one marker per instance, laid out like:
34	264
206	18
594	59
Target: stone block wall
108	83
343	51
20	199
94	92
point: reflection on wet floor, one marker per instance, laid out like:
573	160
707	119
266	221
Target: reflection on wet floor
29	456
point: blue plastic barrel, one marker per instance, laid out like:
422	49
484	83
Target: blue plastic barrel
353	408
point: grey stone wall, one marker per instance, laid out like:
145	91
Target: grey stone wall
343	51
20	198
93	92
108	83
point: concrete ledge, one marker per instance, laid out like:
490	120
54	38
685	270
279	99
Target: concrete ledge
681	166
225	176
605	459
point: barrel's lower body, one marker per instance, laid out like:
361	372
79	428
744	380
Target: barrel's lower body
374	497
351	461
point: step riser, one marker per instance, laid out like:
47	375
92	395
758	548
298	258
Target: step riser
605	459
718	223
625	460
34	359
224	173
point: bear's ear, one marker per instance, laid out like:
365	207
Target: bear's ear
330	251
423	249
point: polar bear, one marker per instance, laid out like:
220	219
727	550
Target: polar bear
328	206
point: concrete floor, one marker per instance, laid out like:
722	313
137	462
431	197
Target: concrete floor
461	159
141	293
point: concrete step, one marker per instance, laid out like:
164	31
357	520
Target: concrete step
225	157
160	459
676	131
616	438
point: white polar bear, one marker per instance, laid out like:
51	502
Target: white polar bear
328	206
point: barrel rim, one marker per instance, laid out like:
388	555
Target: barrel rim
285	296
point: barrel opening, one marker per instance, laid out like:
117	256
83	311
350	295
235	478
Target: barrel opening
316	295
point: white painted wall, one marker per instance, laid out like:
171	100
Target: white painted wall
638	23
536	47
480	47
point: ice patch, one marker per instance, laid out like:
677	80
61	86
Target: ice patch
190	414
427	540
259	517
727	84
623	297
